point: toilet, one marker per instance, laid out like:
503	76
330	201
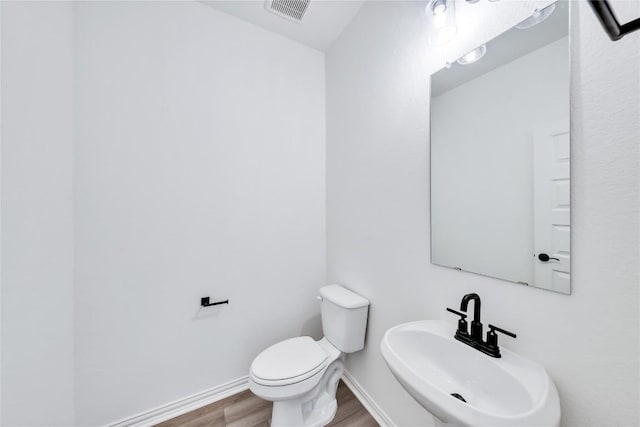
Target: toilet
300	375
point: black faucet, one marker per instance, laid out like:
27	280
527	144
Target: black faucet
476	325
474	339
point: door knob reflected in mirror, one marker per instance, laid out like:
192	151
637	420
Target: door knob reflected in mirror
546	258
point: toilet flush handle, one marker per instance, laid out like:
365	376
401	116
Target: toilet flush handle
319	298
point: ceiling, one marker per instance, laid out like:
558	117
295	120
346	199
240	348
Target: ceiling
321	25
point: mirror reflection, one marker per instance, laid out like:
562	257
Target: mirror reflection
500	156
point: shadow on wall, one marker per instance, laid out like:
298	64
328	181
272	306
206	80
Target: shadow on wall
313	328
209	312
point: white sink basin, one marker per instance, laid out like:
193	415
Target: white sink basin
431	365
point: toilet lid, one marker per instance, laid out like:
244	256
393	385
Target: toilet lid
292	359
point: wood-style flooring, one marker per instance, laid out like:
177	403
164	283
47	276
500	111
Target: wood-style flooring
247	410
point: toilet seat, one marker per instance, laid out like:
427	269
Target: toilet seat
289	362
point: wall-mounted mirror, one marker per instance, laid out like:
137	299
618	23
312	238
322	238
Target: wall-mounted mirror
500	145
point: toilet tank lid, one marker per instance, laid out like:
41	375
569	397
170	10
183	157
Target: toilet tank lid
343	297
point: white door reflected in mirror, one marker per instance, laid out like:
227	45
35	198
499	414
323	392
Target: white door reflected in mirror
552	210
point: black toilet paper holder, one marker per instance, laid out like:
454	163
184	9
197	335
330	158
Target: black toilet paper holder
205	302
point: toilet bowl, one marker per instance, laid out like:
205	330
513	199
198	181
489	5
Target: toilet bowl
300	375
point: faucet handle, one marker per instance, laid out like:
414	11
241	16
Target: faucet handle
462	315
492	338
493	329
462	323
491	345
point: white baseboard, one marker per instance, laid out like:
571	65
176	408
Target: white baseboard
369	404
198	400
182	406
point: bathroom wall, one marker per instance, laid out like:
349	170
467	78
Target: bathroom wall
37	241
378	206
491	231
199	171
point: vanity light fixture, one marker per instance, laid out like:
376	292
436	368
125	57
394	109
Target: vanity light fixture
537	17
441	19
473	56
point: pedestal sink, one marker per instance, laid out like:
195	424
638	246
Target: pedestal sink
463	387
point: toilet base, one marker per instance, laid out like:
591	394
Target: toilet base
315	408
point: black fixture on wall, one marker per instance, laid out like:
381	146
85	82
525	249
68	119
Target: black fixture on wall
610	23
205	302
474	337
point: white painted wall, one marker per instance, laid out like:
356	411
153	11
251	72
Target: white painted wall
378	210
37	241
482	162
199	170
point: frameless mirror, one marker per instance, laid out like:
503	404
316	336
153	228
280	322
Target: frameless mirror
500	170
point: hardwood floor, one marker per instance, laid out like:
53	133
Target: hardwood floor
247	410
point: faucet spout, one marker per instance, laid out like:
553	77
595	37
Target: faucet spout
464	304
476	325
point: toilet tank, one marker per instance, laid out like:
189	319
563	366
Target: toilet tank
344	317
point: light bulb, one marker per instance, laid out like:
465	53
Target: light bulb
473	56
441	20
537	17
439	7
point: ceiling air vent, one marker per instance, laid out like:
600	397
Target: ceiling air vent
292	10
